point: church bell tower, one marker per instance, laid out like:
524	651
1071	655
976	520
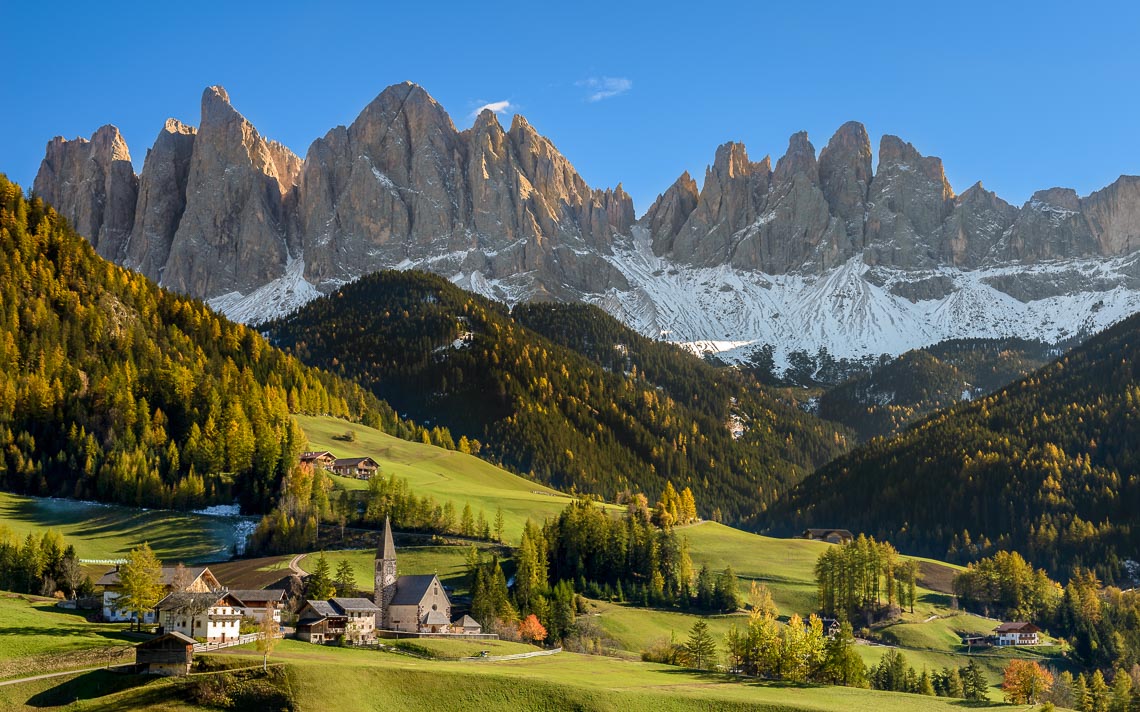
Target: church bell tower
385	582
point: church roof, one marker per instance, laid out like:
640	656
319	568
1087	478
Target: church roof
387	549
410	590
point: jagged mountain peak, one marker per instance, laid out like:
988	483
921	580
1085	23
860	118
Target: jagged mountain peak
895	153
799	158
175	126
223	213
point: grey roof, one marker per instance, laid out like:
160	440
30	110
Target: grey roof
410	590
111	578
258	595
354	604
314	454
323	608
467	622
190	602
435	618
387	548
172	634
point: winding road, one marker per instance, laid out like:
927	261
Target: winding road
295	565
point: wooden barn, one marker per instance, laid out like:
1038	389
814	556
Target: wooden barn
168	654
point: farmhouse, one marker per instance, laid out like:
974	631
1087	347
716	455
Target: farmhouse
319	622
1017	633
256	602
359	467
214	616
831	536
322	458
193	578
168	654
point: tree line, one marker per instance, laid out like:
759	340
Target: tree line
41	565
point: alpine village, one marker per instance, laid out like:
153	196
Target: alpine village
419	418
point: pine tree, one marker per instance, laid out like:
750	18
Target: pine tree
319	585
467	521
345	582
974	685
500	525
1098	693
701	648
954	686
925	686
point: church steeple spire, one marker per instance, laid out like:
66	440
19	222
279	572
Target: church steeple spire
387	549
385	582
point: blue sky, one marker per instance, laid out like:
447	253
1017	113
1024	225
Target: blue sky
1020	95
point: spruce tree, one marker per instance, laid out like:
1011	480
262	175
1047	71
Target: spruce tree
701	648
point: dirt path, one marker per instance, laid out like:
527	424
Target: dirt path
33	678
295	565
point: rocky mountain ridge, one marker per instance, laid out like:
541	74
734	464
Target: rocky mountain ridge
222	213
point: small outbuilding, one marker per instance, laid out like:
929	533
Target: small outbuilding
467	625
168	654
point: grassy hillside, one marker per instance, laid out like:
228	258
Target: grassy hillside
623	413
35	635
104	531
1046	467
350	679
446	475
344	679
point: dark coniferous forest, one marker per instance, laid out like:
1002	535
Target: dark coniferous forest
1049	467
562	393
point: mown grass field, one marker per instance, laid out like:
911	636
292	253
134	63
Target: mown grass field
106	531
446	475
444	649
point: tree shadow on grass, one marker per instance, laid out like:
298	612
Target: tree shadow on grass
88	686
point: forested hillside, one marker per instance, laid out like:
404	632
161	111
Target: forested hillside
116	390
888	397
1049	466
601	410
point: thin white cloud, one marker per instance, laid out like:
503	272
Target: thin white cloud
605	87
499	107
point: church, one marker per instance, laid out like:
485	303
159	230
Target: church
411	604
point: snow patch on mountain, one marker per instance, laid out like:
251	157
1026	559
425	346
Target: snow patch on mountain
277	298
731	312
852	310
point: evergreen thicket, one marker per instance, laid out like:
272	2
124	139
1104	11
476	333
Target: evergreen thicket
116	390
893	393
562	393
1048	467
